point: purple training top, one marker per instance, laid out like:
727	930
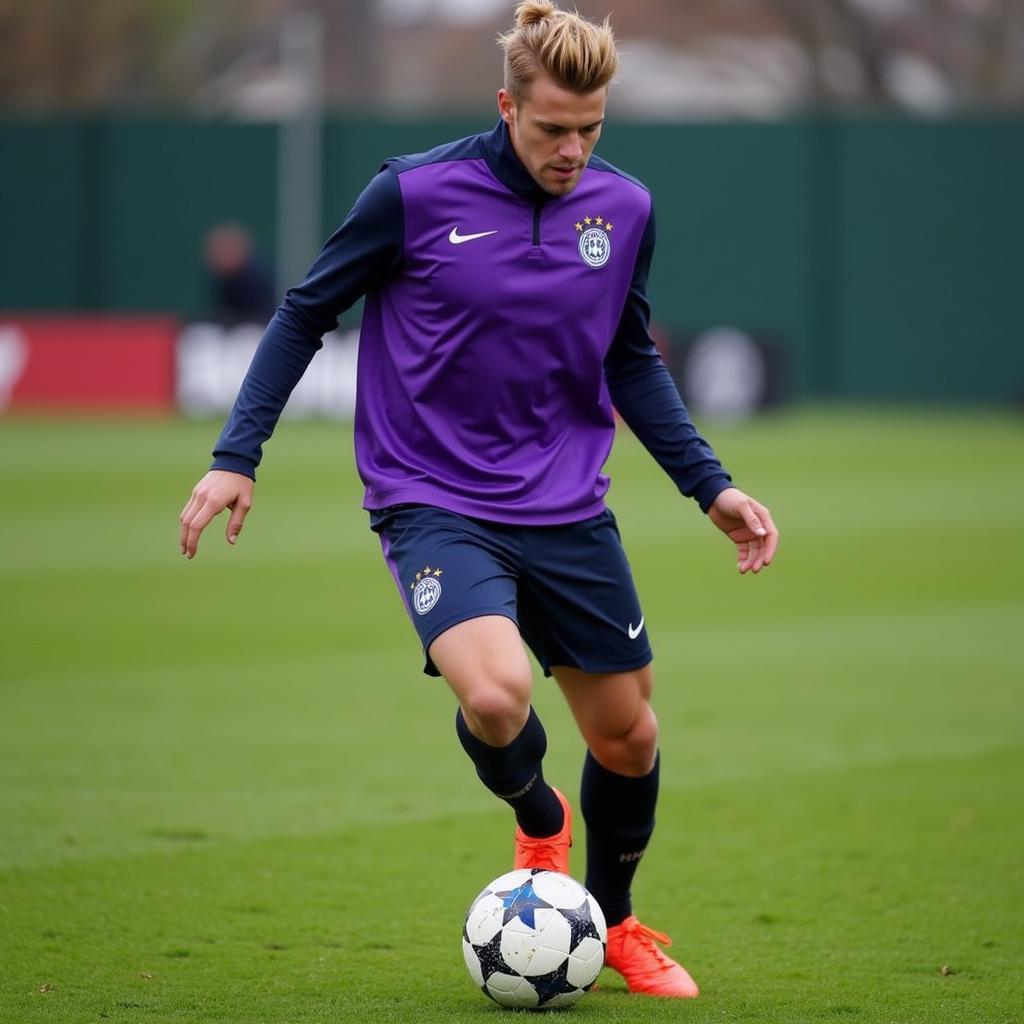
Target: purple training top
500	325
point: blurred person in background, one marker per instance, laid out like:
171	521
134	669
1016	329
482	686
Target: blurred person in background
506	316
241	288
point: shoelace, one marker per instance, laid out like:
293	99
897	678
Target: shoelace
544	855
636	928
648	936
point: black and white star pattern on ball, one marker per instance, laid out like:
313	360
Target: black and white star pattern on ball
554	984
534	938
491	960
522	902
582	924
547	986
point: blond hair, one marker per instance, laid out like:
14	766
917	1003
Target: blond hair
578	54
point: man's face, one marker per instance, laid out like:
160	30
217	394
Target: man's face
553	131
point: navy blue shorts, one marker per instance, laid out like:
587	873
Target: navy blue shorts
568	588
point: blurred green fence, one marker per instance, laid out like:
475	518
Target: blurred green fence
881	254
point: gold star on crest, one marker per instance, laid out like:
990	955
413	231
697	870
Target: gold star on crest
608	225
588	220
424	572
599	221
579	225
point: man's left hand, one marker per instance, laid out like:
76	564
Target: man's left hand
748	524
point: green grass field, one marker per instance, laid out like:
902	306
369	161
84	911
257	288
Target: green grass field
228	794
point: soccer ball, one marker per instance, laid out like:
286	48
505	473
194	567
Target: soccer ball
534	939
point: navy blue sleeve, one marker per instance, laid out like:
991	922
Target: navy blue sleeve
357	258
646	397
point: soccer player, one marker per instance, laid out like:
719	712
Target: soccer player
506	318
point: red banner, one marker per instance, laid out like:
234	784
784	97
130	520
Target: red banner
118	363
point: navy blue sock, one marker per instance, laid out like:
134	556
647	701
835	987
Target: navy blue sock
514	773
619	812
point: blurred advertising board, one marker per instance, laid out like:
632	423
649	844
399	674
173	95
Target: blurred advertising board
726	371
59	363
154	363
51	362
211	361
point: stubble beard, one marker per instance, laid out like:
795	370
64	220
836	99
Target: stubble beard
563	186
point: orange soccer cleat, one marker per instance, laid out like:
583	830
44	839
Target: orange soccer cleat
550	853
647	970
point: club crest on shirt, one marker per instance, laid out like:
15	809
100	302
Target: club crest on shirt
426	589
595	240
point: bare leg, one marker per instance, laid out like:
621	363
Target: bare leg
619	789
615	717
485	664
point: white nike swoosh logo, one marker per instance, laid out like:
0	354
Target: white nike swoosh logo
456	239
634	633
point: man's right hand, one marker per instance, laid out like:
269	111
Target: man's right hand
217	491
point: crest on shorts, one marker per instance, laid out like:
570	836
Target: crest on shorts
595	240
426	589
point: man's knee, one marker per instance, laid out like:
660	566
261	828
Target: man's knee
632	749
496	710
484	663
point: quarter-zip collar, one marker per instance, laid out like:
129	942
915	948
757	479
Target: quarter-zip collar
508	168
